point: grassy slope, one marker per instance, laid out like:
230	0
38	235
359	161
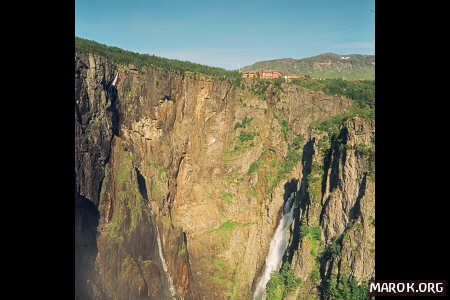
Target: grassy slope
361	65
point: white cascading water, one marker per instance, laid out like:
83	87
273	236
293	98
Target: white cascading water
163	261
277	247
115	79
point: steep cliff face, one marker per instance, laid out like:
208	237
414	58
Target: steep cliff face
94	129
333	238
181	181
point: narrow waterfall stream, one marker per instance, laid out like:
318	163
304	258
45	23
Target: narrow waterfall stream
163	261
277	247
115	79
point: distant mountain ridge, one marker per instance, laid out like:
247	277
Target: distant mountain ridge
326	65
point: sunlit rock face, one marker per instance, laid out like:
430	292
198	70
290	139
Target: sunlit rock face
181	182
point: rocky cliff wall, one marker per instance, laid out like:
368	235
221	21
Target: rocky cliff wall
203	167
333	238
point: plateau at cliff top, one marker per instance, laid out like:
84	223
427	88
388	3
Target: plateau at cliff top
327	65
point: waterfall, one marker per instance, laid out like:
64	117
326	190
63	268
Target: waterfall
163	261
277	247
115	79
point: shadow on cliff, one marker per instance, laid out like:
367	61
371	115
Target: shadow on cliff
302	202
113	110
87	217
335	157
142	186
86	222
355	211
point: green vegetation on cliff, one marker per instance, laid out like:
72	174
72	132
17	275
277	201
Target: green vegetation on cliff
264	87
314	180
345	288
120	56
229	226
361	92
363	95
281	283
246	121
279	167
332	127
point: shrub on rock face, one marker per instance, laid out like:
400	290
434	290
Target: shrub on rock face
281	283
246	136
253	168
298	140
345	288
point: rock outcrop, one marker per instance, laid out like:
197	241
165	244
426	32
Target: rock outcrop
181	180
334	233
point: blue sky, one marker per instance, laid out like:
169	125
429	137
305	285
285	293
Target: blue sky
230	34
